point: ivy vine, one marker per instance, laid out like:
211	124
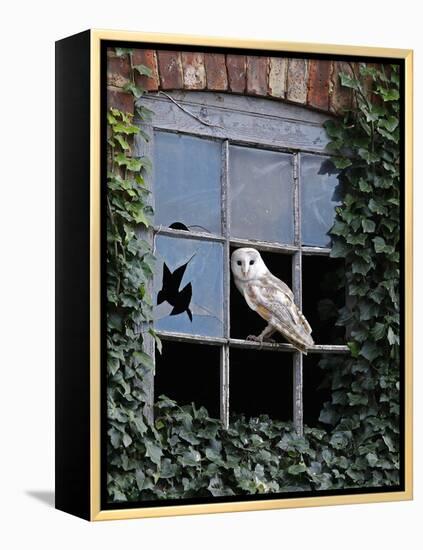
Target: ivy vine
184	452
365	403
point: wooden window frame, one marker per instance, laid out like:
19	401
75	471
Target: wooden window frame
199	114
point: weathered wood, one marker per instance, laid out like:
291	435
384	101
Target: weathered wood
265	246
224	386
194	339
315	251
248	344
297	374
259	123
224	352
240	120
181	234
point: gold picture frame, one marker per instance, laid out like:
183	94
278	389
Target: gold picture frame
92	509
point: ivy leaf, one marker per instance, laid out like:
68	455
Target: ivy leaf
357	399
190	458
364	186
153	451
339	250
122	142
157	340
389	443
370	351
297	469
392	337
123	51
340	440
142	358
144	113
390	123
389	94
354	348
377	207
361	267
140	479
341	163
378	331
379	244
125	128
369	226
349	82
132	88
333	129
143	70
372	459
328	416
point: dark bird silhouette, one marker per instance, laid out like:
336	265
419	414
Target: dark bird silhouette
179	225
179	299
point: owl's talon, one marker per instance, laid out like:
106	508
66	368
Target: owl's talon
253	338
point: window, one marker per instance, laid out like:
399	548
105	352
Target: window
234	171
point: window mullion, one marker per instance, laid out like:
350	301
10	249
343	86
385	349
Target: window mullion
224	355
298	407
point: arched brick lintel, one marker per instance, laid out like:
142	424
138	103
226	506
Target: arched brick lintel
307	82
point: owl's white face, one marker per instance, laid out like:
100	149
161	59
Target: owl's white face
247	264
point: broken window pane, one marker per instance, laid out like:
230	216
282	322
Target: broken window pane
261	195
319	197
179	377
188	286
187	182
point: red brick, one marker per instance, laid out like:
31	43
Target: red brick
237	72
318	84
170	69
120	100
149	59
340	97
193	71
257	69
118	70
216	76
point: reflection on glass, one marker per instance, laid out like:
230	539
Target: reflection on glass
261	195
188	286
187	182
319	197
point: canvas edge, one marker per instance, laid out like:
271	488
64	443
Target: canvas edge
97	36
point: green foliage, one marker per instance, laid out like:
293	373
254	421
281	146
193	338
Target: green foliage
185	453
130	265
365	397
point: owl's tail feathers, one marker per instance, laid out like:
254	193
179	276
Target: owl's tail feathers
301	345
297	336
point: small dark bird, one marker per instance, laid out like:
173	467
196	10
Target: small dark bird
179	299
179	225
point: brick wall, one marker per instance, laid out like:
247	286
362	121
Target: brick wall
307	82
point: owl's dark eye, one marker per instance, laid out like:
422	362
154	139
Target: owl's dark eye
239	262
251	262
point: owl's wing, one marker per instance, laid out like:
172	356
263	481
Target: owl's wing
278	308
271	280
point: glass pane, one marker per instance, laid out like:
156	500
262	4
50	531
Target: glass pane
261	195
187	182
319	197
188	286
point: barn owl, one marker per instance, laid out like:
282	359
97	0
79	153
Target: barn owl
271	298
